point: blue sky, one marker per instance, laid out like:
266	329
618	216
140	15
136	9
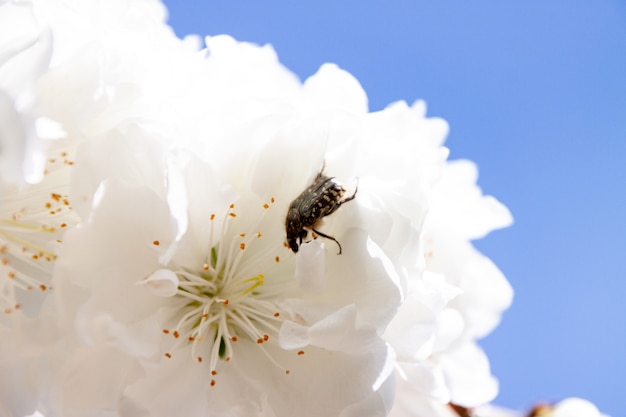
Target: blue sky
535	94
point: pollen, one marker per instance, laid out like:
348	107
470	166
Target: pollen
27	241
225	297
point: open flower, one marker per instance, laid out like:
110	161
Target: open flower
65	79
220	314
34	208
180	275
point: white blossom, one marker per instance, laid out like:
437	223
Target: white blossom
175	287
155	212
569	407
217	303
574	407
451	367
33	201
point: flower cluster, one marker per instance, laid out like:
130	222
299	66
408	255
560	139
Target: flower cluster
144	265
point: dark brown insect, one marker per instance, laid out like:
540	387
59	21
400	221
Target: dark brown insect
320	199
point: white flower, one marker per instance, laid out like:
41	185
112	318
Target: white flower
451	368
178	272
70	72
60	85
221	306
31	216
574	407
460	213
173	286
569	407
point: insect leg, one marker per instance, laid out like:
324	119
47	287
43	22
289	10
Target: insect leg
329	237
302	235
345	200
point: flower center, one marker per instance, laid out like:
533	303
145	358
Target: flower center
228	297
32	223
30	229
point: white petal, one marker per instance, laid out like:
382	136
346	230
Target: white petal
460	207
119	246
575	407
162	282
468	376
427	379
311	267
333	87
13	140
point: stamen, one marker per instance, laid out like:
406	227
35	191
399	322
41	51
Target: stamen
226	298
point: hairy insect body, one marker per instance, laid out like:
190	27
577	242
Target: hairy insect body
322	198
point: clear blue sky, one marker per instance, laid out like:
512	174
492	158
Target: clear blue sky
535	93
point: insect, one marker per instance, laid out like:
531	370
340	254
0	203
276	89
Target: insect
320	199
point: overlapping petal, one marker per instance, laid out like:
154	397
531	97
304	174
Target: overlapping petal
174	167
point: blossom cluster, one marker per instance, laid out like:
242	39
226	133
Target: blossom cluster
144	270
